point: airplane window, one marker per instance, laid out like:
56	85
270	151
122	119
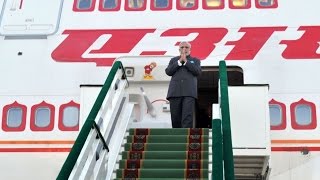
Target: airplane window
187	3
161	3
136	4
70	116
303	115
42	117
213	3
239	3
110	4
84	4
266	2
14	117
275	115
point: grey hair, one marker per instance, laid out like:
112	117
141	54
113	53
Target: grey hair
185	42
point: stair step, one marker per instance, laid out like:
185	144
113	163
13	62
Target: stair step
188	155
164	163
165	153
162	173
167	138
170	131
155	178
166	146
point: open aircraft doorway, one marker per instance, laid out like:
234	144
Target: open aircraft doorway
208	91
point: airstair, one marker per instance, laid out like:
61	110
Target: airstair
126	136
165	153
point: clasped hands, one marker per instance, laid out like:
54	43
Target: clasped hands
183	58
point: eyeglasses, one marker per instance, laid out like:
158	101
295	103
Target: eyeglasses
184	47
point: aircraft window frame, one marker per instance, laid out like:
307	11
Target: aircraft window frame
42	117
283	117
274	5
5	116
295	118
34	113
61	125
246	6
116	8
205	5
76	7
153	7
194	7
128	8
14	117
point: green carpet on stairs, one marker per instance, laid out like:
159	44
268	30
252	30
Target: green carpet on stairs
165	146
195	155
164	164
151	179
170	131
166	138
165	154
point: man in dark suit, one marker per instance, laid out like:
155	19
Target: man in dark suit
183	90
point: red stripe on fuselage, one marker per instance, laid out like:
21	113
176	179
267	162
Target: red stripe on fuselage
294	149
37	142
35	149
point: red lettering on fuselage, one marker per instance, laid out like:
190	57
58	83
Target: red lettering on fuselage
252	41
305	47
123	41
204	43
78	41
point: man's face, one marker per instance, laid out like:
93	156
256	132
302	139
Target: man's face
184	48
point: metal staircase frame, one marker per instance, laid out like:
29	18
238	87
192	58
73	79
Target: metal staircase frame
90	157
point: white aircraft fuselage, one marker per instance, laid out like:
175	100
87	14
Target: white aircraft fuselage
49	48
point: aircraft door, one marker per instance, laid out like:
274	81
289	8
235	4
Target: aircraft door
30	17
208	91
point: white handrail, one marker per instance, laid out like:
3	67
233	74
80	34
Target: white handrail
93	161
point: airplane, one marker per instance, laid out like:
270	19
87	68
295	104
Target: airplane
54	52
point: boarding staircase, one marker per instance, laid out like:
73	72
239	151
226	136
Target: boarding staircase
165	154
107	148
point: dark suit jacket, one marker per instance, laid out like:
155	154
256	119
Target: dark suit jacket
184	78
